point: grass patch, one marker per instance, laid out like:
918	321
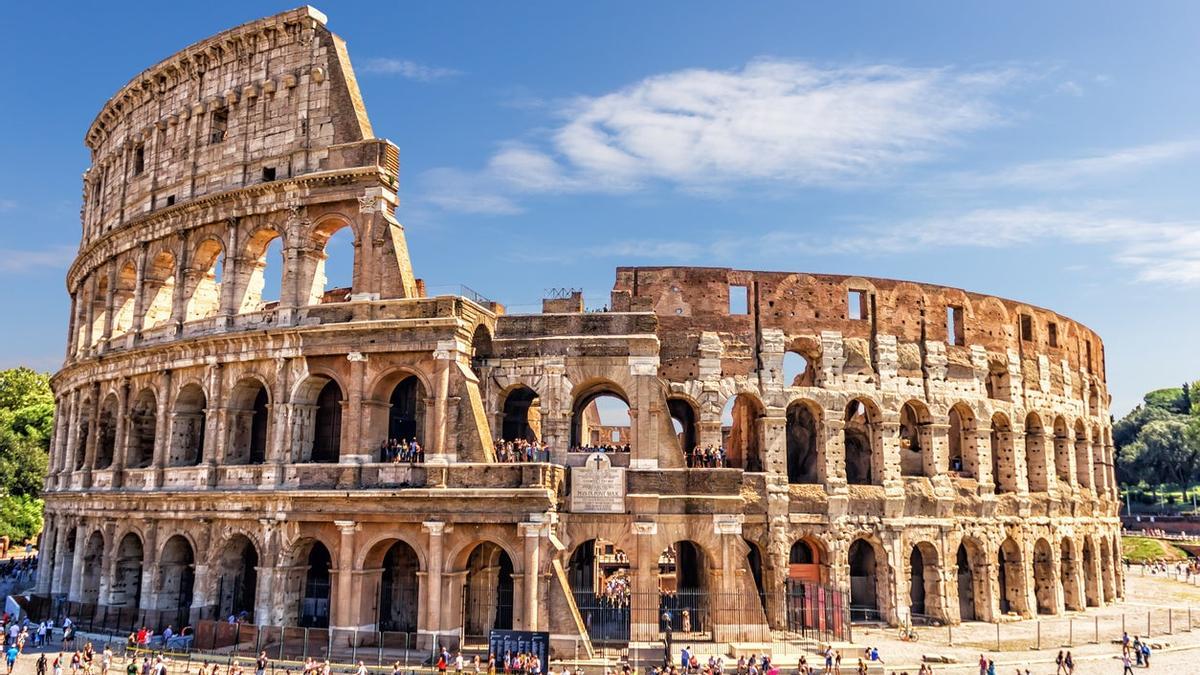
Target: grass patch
1145	549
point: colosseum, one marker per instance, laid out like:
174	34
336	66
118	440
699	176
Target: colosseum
801	450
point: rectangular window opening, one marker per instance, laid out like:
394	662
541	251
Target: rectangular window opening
171	200
268	174
139	160
1026	327
1052	334
739	300
955	333
1089	355
856	305
218	125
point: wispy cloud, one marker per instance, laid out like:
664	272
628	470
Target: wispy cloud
770	122
14	260
407	69
7	204
1069	173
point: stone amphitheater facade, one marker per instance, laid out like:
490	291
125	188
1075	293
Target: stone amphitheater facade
939	452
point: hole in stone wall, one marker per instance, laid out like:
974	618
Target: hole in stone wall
955	334
856	305
739	300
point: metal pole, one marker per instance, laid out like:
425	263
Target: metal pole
353	646
1039	635
1147	623
997	636
1170	621
379	645
1097	620
1071	632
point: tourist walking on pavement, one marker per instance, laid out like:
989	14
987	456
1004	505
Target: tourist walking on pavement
10	656
1126	665
1070	663
983	663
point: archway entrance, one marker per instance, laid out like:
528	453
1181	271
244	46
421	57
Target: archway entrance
93	564
859	438
314	603
126	589
1069	573
142	430
865	581
106	441
682	586
600	417
601	584
803	458
522	416
1011	578
237	580
187	428
406	418
683	419
1044	583
177	578
398	589
967	602
962	441
915	453
922	582
1090	585
741	432
248	424
488	596
327	432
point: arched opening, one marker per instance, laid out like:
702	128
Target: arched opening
481	351
754	562
522	416
82	431
868	580
237	579
106	440
177	579
684	422
261	288
1011	577
599	575
600	418
1035	453
998	383
204	298
327	431
99	309
248	423
187	427
398	589
1004	471
333	267
916	584
970	603
1062	452
93	566
1091	587
123	296
915	441
796	370
488	595
66	560
1108	587
158	288
314	602
406	416
862	456
682	589
1083	464
741	432
1069	574
143	423
805	592
1044	582
126	587
804	458
962	440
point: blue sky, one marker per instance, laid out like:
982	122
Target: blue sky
1041	151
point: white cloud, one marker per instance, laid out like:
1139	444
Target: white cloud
772	121
13	260
1070	88
407	69
1066	173
7	204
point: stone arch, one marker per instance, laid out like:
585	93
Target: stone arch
487	588
106	433
124	292
234	573
1083	465
1045	578
521	414
1069	575
808	561
870	579
797	370
158	289
482	349
328	233
1010	572
863	442
916	441
599	575
805	444
125	588
82	431
405	393
1035	454
143	430
1091	584
925	599
252	269
1062	451
188	426
206	278
93	567
176	578
249	422
963	441
585	416
309	584
685	420
684	580
318	403
972	580
1004	465
399	585
1107	582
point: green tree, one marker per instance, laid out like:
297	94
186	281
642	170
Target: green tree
26	424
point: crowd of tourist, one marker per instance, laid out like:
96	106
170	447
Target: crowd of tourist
603	447
402	450
18	569
521	450
707	457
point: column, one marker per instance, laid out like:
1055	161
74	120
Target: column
162	429
353	449
139	299
644	603
48	552
443	357
110	299
184	282
59	585
533	540
89	456
342	605
433	583
77	562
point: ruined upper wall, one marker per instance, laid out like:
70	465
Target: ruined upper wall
689	300
258	102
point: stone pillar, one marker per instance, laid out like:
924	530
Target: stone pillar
48	552
353	449
59	585
139	298
77	562
533	572
89	308
121	451
432	619
110	300
343	606
644	611
184	284
89	451
162	429
443	358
